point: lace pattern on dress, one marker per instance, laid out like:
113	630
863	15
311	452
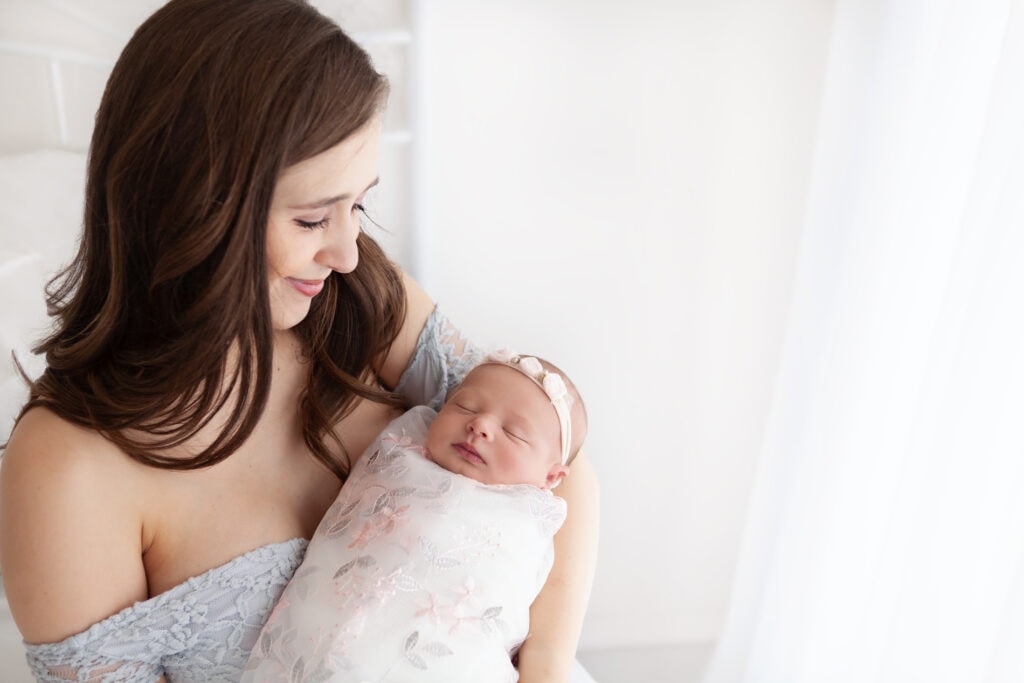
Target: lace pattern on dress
441	359
200	630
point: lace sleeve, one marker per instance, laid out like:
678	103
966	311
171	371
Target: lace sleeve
441	359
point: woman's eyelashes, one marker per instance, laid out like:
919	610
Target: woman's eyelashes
313	225
323	222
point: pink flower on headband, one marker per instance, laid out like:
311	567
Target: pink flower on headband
502	355
532	366
554	386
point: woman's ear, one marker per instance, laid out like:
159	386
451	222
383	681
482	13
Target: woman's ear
555	476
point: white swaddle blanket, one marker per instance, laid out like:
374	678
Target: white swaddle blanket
414	574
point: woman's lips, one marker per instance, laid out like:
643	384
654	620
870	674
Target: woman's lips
469	453
308	288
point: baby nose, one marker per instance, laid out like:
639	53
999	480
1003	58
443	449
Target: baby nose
480	427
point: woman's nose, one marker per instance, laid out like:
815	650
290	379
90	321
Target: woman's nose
339	251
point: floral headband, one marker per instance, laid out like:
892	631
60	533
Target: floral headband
552	384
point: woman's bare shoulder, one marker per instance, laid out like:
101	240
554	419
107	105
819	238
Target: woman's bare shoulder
57	458
65	493
43	434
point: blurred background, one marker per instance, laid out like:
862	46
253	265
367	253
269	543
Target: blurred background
770	241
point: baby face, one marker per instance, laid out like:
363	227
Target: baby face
498	427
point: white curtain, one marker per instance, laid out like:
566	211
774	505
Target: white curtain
885	536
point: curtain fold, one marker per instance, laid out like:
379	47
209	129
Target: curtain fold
885	535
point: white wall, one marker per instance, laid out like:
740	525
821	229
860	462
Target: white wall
619	187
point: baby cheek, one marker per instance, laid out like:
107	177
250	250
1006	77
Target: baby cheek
433	435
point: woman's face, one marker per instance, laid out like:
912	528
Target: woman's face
314	222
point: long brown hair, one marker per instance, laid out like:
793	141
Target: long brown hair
163	317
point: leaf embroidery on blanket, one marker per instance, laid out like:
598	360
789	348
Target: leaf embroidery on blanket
338	527
372	460
549	513
429	494
363	562
347	510
403	491
383	500
437	649
406	583
430	553
432	649
298	668
321	674
490	623
265	641
341	519
395	447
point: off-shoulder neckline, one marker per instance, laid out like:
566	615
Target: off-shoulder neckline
289	548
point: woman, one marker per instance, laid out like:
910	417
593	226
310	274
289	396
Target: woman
226	341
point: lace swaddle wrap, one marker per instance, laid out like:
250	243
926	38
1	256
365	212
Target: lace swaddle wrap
415	573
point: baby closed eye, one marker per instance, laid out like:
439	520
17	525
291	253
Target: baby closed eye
517	435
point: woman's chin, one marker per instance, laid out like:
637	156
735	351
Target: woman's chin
286	317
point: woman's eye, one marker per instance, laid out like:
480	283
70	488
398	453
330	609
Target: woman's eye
313	225
361	208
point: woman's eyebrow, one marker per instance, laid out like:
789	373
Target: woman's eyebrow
319	204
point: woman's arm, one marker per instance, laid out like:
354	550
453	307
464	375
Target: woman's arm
556	615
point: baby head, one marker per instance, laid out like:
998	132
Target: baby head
513	420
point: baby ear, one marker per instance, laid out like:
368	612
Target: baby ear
555	476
